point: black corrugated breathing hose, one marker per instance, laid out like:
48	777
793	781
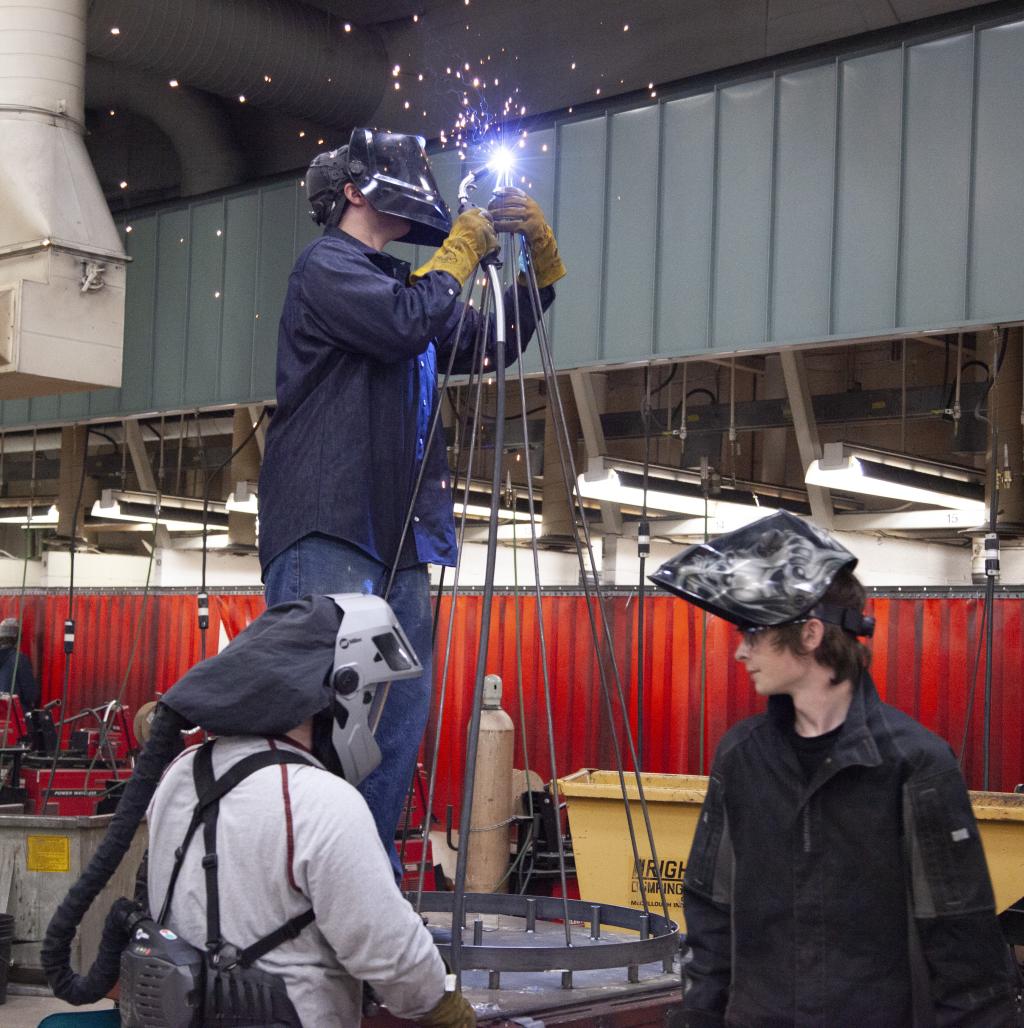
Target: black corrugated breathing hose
161	748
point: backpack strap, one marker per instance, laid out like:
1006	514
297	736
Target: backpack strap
289	930
210	791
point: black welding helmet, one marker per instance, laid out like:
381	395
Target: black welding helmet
393	173
771	572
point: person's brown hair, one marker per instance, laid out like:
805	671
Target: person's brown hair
843	654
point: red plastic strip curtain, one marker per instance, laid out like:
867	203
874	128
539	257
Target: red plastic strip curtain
925	654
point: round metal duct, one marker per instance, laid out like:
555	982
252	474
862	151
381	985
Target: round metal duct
199	130
271	52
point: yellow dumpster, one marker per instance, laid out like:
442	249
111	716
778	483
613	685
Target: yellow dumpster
604	859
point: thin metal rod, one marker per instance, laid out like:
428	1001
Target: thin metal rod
541	635
643	546
476	379
472	743
572	489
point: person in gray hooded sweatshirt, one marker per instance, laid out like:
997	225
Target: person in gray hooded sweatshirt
293	837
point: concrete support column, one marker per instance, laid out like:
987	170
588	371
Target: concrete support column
72	461
559	517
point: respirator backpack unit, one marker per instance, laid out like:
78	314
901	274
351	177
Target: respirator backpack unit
322	658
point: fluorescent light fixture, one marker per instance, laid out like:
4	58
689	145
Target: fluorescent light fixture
728	520
243	498
478	510
668	491
896	477
20	516
909	520
113	506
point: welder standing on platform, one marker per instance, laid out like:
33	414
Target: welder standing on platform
837	875
360	344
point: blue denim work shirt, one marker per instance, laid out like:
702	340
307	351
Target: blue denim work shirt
357	357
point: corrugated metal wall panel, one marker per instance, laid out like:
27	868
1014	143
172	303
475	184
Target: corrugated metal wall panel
742	214
632	232
802	227
687	204
997	270
940	105
579	214
875	193
925	654
867	194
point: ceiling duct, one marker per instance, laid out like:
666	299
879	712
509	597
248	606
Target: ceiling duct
270	52
62	266
195	123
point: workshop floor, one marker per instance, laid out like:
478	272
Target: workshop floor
27	1006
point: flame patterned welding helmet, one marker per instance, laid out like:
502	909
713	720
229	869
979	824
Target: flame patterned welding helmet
768	573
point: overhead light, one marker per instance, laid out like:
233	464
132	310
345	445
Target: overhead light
20	516
243	499
478	510
669	490
909	520
176	514
896	477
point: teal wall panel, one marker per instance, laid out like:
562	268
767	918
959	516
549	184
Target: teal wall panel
170	316
802	205
238	316
141	244
742	214
539	167
632	231
934	216
867	194
996	285
683	267
580	216
870	193
203	333
279	210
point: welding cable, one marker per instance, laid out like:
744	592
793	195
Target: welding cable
69	623
21	595
643	548
161	748
105	726
137	634
208	477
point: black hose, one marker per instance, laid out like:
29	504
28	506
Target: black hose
161	748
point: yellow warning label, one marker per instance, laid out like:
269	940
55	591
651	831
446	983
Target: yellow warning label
49	853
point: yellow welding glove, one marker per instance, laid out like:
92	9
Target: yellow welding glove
472	237
454	1011
512	210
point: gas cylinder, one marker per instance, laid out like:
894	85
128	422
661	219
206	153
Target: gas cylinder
487	864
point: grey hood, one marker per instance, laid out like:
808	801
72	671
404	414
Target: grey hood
269	678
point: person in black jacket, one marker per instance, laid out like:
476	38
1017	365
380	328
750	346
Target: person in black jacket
836	877
15	668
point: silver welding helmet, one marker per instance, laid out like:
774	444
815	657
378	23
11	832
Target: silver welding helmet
370	649
392	171
771	572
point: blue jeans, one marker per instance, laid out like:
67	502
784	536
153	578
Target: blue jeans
318	564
